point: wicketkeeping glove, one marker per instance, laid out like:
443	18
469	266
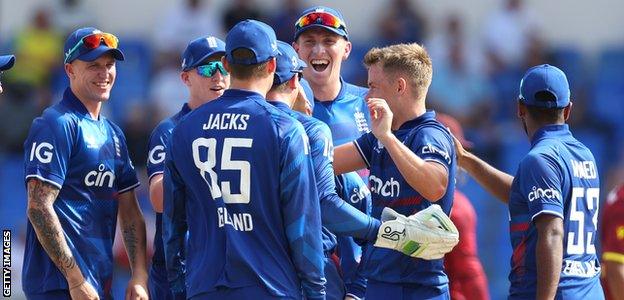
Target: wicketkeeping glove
428	234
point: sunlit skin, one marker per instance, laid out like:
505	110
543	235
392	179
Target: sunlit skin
203	89
324	52
92	81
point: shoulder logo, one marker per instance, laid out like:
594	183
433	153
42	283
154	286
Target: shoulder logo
537	193
43	152
157	155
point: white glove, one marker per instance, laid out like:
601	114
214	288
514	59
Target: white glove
428	234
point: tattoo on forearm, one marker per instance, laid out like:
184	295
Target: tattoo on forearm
130	240
47	226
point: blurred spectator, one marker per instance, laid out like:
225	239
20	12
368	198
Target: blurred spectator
241	10
71	14
283	21
508	33
38	49
185	21
167	92
457	87
402	24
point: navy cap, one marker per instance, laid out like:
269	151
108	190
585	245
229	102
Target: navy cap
252	35
545	78
84	54
288	63
341	31
199	50
6	62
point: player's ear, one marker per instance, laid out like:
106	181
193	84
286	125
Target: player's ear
348	48
69	70
271	65
184	76
226	66
296	46
566	111
292	83
401	85
521	110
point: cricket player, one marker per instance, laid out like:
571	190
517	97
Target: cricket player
238	176
553	198
6	62
612	237
338	217
412	165
81	183
206	79
322	42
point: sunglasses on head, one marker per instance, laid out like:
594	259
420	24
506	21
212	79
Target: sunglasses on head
91	42
211	68
321	18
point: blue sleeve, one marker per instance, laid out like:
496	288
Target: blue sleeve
47	150
174	224
540	183
300	211
364	144
351	187
128	179
433	144
157	148
337	216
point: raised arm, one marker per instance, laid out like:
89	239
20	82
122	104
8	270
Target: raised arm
495	181
132	227
45	221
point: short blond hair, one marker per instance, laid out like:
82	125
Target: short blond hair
410	60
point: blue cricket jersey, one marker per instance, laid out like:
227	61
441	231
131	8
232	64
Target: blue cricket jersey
239	174
430	141
158	142
88	161
558	177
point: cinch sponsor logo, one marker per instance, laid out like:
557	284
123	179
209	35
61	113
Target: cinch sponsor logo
157	155
584	169
43	152
100	177
543	193
359	194
431	149
390	188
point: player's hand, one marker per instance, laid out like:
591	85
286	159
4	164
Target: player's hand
301	103
460	151
137	289
428	234
84	291
381	118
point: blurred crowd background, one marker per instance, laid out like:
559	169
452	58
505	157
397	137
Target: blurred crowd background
480	49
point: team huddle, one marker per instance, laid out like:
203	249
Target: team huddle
279	180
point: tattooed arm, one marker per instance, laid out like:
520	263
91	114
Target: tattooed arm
45	221
132	228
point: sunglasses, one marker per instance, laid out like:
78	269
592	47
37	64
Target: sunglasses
91	42
211	68
322	18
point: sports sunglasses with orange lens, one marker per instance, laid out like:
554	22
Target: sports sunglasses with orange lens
93	41
321	18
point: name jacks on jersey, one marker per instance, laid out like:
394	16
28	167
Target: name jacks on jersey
390	188
239	221
226	121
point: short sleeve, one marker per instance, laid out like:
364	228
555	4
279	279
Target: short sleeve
433	144
47	151
540	183
157	149
364	145
128	179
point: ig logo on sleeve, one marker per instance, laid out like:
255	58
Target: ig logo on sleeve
43	152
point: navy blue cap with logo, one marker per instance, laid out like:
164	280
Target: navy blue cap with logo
288	63
254	36
76	48
545	86
321	17
198	50
6	62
